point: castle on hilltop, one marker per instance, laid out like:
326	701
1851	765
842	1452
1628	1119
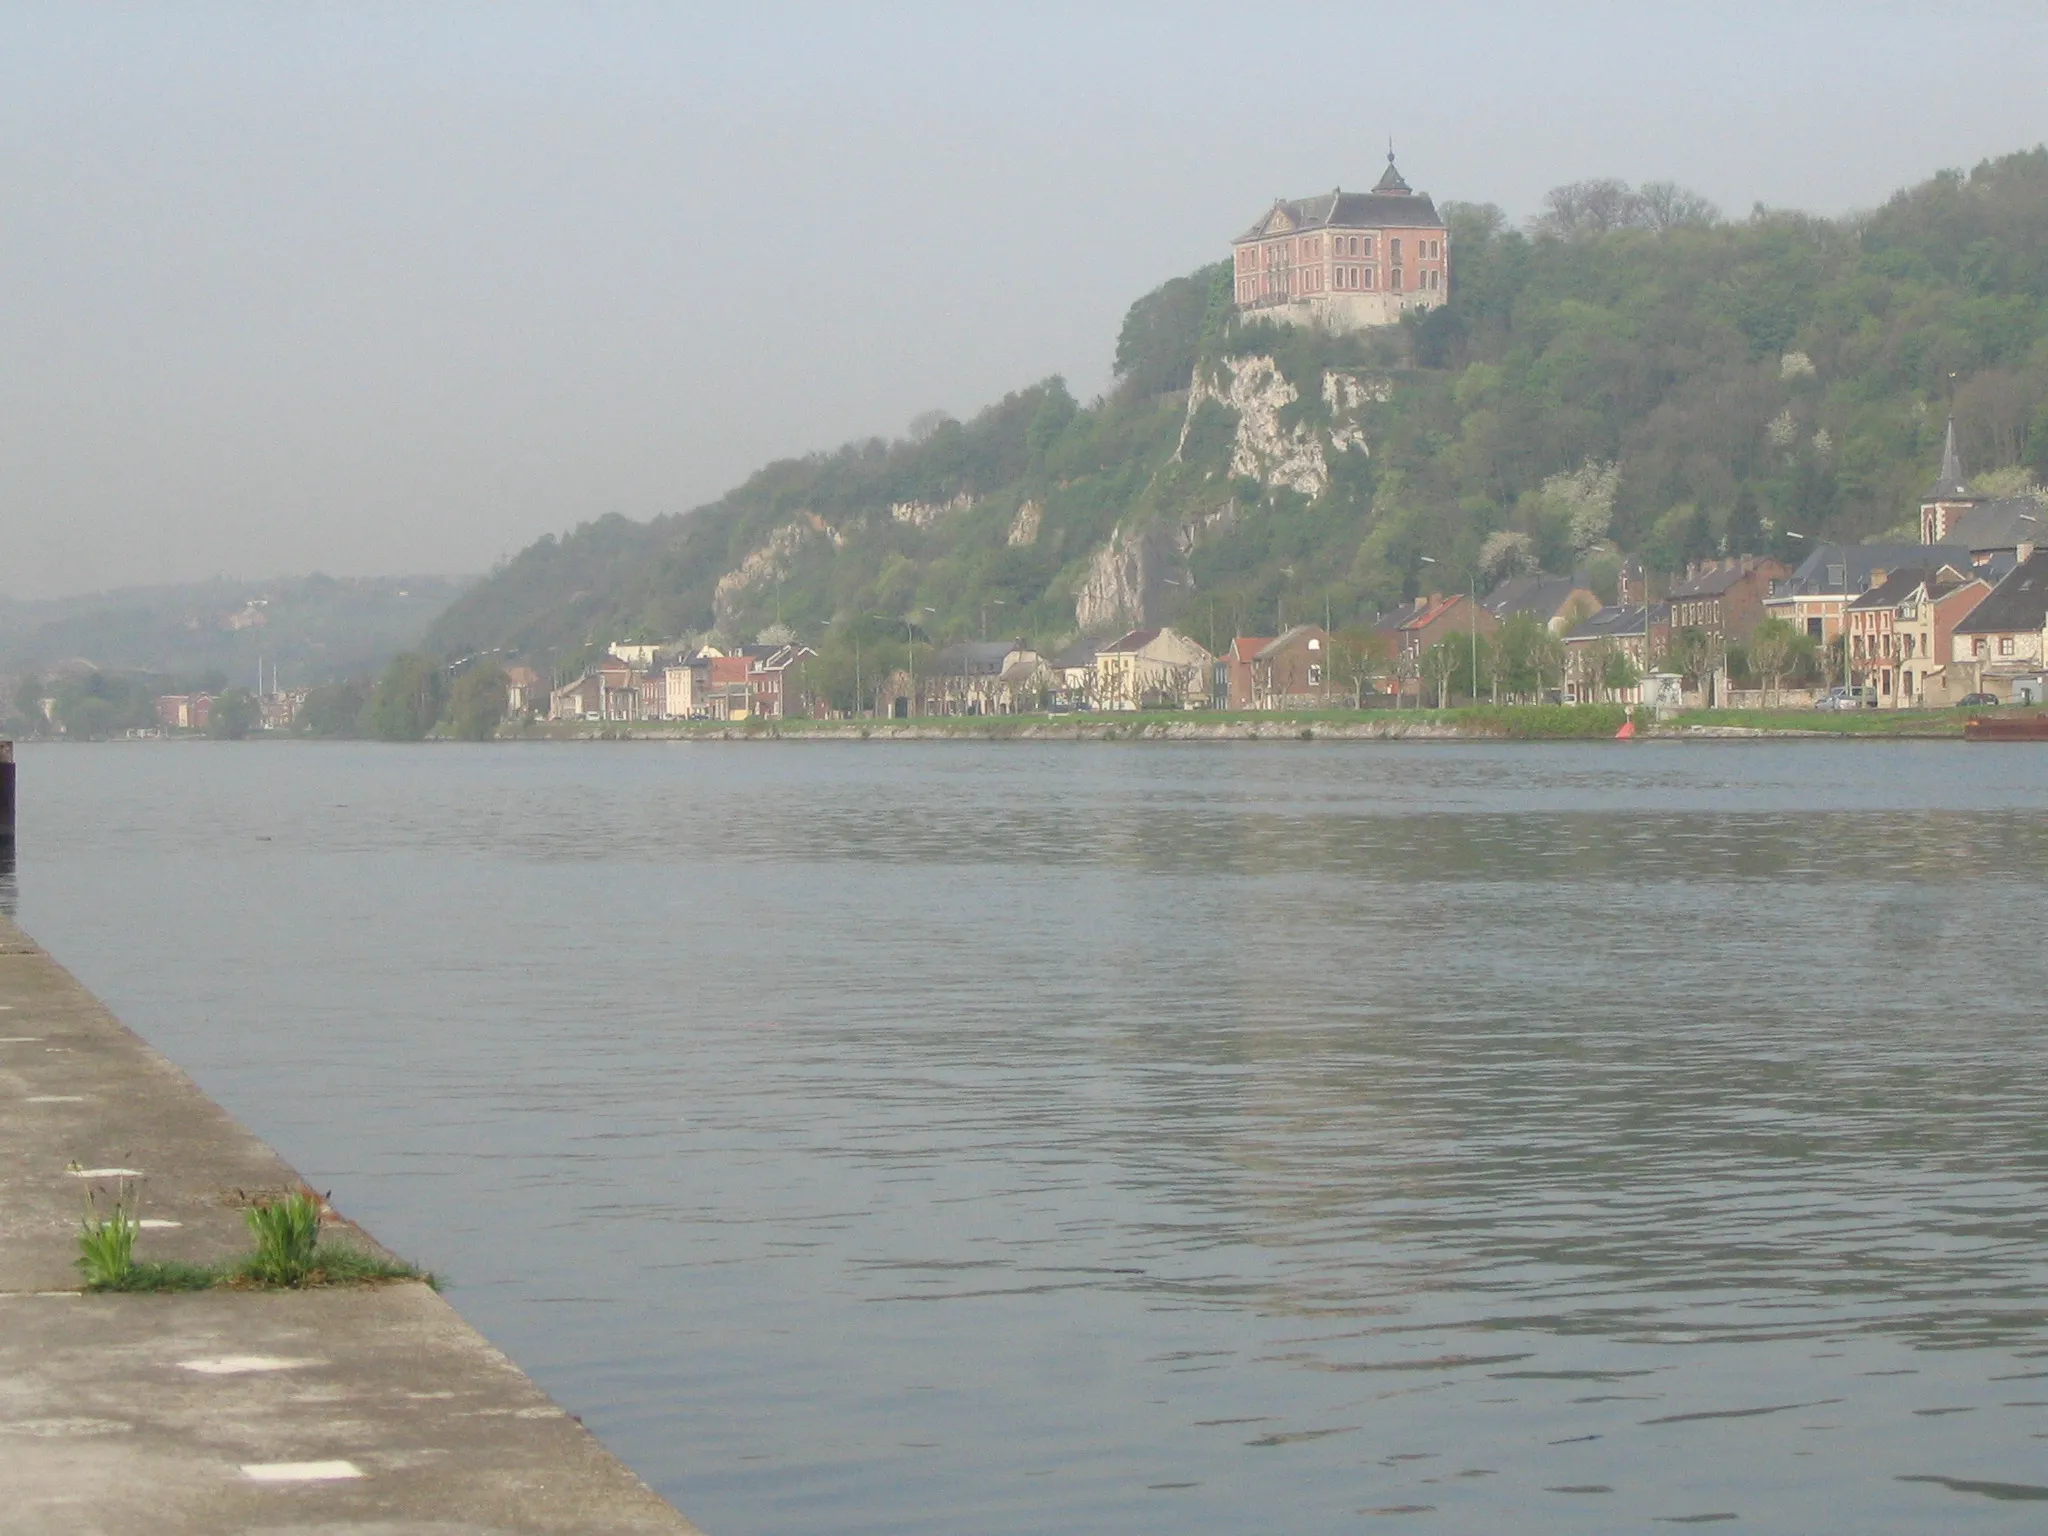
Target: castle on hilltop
1345	261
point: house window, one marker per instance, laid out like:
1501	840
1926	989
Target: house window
1368	245
2005	645
1368	278
1978	647
1315	674
1394	280
1394	252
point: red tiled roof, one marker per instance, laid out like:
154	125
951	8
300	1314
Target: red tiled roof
1245	647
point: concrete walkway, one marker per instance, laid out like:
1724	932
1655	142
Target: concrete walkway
374	1409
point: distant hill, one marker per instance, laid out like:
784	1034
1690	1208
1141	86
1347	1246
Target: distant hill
1631	374
312	628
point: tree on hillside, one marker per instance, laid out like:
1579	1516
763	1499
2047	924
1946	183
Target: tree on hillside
1162	333
233	716
333	710
476	704
408	698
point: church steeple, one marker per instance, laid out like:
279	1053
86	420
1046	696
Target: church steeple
1949	484
1390	180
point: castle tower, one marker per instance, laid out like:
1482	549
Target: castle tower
1944	505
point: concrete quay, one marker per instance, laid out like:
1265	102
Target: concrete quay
371	1409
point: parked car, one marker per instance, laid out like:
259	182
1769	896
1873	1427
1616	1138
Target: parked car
1847	698
1978	701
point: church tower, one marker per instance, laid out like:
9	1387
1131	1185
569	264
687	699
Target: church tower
1944	505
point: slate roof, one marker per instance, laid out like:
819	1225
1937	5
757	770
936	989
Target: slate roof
973	658
1288	637
1136	640
2001	525
1897	586
1948	485
2017	604
1716	582
1544	596
1810	578
1614	623
1389	205
1078	653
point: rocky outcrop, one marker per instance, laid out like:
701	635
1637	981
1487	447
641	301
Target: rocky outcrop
770	562
1118	586
922	514
1296	457
1024	526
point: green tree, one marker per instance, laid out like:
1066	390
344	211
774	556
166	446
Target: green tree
334	710
1442	662
233	716
476	704
408	698
1618	671
1772	650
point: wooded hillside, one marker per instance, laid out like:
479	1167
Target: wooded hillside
1633	373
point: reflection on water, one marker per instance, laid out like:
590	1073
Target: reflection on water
1011	1139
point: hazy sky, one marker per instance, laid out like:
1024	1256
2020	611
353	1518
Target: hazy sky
396	288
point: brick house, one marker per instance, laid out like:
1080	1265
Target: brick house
1235	685
526	691
580	700
1293	671
184	711
1924	624
1901	633
1642	634
1344	261
1724	599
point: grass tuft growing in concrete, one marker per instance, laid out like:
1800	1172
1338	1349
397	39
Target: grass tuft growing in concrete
289	1255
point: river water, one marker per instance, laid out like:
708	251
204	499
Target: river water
1121	1138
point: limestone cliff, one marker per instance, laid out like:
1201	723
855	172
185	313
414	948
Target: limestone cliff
1265	449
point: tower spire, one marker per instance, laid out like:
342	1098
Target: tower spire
1949	484
1390	179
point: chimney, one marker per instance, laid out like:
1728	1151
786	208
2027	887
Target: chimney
1877	576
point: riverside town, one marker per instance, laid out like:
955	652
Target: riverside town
993	794
1959	617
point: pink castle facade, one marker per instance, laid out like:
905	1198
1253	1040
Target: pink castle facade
1345	261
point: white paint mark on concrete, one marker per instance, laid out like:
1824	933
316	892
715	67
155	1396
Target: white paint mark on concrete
57	1098
300	1471
58	1429
157	1224
242	1365
56	1293
21	1039
105	1173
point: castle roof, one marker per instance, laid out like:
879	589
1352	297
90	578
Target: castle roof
1391	204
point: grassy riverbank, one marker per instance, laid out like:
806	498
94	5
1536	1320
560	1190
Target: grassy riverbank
1545	722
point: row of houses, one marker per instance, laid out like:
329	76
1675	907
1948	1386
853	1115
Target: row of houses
654	682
